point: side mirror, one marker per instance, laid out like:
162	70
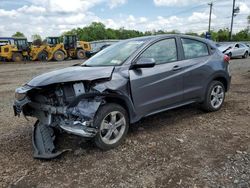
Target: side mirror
144	63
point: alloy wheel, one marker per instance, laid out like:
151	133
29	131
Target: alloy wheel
217	96
112	127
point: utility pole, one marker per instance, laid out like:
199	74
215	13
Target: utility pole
232	22
210	13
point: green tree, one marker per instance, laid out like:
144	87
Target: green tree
36	40
36	37
222	35
242	35
98	31
18	34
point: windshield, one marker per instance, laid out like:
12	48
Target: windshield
52	40
115	54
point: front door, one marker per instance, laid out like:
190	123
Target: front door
161	86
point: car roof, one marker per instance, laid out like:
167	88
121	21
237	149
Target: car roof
161	36
19	38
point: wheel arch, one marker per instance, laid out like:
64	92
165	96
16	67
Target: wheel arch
223	80
60	51
220	76
125	103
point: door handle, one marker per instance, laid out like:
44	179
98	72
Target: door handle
176	68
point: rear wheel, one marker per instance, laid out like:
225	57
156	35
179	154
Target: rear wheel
59	56
43	56
81	54
17	57
245	55
215	96
112	121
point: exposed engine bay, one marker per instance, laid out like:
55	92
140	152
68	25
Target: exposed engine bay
66	107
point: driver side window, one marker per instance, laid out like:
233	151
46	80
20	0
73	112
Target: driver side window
163	51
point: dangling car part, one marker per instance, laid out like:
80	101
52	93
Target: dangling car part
120	85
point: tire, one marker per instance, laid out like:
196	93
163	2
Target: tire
245	55
214	97
81	54
42	56
17	57
110	136
59	56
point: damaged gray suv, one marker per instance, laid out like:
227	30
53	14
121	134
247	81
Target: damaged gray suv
125	82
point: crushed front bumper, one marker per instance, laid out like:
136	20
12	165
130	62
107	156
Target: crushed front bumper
43	138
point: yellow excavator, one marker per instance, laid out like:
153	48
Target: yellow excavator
54	50
14	49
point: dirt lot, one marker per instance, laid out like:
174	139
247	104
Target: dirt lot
179	148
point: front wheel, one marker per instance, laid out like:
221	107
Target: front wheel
229	55
59	56
81	54
43	56
215	96
245	55
112	121
17	57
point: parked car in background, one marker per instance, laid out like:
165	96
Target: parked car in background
97	46
248	45
120	85
235	50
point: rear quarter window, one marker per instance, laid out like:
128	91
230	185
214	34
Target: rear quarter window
194	48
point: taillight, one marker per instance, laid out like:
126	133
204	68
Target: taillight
226	58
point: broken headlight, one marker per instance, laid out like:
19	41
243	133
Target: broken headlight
20	96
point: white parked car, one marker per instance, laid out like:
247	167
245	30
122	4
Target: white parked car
248	45
235	50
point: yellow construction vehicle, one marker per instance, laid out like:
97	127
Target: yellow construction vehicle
38	53
14	49
51	49
54	50
75	49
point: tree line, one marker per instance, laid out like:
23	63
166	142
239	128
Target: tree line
98	31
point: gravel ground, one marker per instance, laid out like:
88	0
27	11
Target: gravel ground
184	147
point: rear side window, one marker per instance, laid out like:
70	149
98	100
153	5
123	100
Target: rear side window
242	46
163	51
193	48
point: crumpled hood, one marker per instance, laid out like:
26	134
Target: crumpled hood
77	73
223	48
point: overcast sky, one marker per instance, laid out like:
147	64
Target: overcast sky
52	17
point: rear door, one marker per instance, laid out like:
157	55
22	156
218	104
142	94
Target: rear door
196	56
236	50
160	86
242	49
